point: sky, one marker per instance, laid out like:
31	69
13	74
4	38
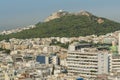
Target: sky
21	13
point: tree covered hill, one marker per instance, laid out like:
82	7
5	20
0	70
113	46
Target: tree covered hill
68	25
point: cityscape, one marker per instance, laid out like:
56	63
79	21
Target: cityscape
38	59
66	45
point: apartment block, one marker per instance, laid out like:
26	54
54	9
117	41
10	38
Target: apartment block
87	62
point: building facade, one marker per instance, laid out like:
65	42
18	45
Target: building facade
87	62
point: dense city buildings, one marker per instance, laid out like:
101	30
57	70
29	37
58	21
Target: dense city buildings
86	58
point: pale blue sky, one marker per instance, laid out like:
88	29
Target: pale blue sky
18	13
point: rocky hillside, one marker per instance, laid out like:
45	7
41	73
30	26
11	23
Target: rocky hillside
65	24
62	13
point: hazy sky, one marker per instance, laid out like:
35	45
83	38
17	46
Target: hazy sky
18	13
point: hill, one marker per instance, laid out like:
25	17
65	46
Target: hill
68	25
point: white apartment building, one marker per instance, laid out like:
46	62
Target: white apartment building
115	63
114	67
87	62
53	59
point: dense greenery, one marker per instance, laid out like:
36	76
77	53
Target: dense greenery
68	26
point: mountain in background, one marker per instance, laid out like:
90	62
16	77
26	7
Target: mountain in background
66	24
